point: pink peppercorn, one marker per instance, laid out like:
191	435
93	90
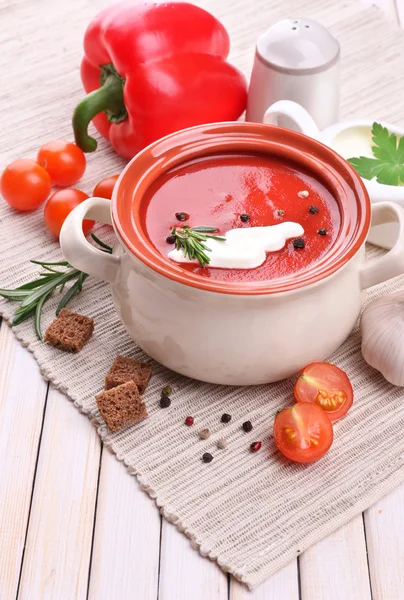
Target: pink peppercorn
189	421
255	446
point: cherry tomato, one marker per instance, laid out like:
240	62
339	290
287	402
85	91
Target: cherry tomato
105	187
327	386
25	185
64	161
59	205
303	432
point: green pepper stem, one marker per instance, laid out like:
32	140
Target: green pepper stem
109	99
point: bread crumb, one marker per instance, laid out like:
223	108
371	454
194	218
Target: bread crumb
70	331
121	406
126	369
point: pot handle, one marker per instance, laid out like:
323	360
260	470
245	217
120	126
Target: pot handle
301	119
391	264
78	251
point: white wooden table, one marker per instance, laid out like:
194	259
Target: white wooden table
86	530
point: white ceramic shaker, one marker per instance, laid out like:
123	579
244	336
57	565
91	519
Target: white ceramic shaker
296	59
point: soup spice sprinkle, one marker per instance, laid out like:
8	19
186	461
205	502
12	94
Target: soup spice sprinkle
303	194
281	212
226	418
322	231
247	426
207	457
255	446
204	434
245	218
182	216
165	402
313	210
298	243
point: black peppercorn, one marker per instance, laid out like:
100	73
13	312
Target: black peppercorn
313	210
181	216
165	402
247	426
207	458
225	418
298	243
322	231
245	218
171	239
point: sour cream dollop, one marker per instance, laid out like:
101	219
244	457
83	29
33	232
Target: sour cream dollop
246	247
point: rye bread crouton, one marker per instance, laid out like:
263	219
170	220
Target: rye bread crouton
128	369
70	331
121	406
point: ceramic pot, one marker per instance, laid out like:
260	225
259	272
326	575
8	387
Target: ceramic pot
238	333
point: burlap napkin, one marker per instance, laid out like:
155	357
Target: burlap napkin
251	512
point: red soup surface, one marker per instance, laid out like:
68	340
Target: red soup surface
214	191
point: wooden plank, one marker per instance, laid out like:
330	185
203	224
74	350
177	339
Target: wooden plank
400	10
385	540
58	546
22	400
387	6
184	573
125	558
283	585
399	6
336	567
384	522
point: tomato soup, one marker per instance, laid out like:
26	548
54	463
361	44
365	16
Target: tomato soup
216	190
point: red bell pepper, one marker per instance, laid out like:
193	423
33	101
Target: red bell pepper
152	69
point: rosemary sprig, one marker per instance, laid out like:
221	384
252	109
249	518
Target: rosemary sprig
191	240
33	295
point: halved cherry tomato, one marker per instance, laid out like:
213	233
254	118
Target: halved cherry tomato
105	187
59	205
64	161
303	432
327	386
25	185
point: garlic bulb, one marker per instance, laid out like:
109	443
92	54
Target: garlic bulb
382	328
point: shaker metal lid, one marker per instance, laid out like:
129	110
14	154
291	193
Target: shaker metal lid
298	46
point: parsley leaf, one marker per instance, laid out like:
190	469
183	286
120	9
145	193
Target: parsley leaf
388	164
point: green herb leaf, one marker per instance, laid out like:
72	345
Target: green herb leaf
17	319
51	270
191	240
203	229
38	313
75	289
17	294
101	243
37	283
62	263
33	294
48	286
388	165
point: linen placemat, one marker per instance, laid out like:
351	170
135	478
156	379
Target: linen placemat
251	512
